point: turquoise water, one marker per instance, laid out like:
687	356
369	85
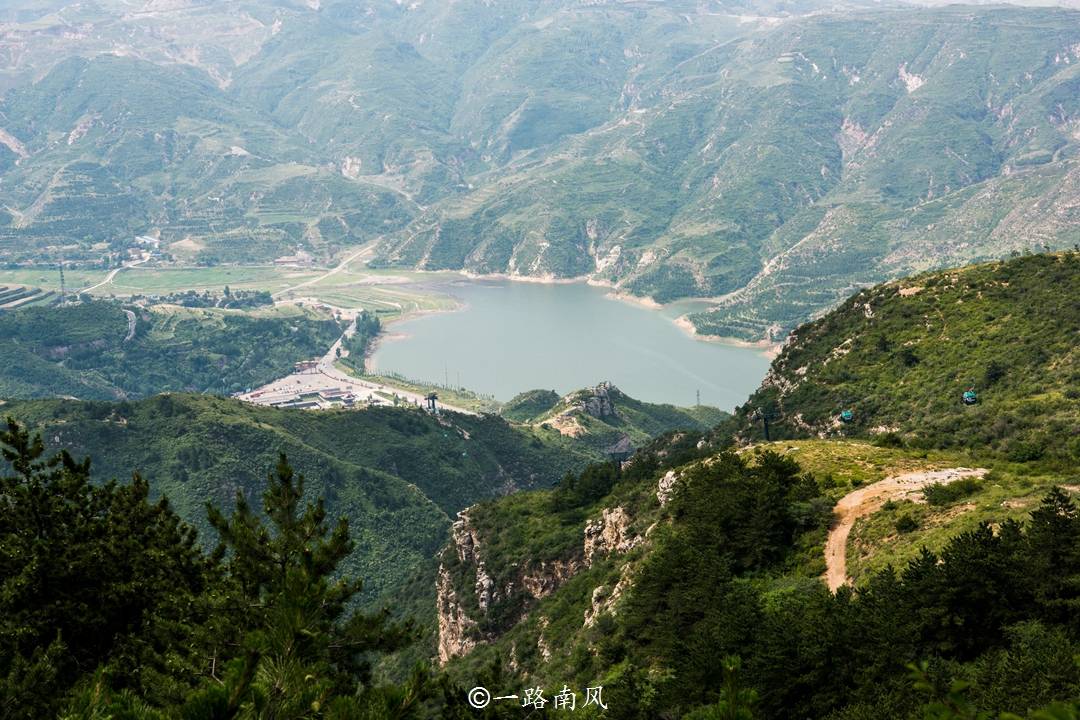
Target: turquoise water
510	337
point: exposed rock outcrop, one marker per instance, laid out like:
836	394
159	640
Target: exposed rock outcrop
541	642
599	402
459	633
456	628
545	578
604	598
665	489
622	448
609	534
467	546
465	539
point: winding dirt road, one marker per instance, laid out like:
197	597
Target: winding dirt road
866	500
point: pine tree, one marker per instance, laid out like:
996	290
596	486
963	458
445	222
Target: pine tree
301	652
735	703
90	575
1053	555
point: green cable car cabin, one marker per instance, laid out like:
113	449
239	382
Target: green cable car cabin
970	398
847	415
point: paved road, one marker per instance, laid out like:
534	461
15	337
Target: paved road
112	273
365	250
131	325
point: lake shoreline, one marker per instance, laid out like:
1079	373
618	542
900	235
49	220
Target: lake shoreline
767	348
385	333
517	337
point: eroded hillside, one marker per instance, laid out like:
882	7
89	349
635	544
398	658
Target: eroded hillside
772	157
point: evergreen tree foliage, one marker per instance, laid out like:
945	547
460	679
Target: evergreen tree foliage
303	654
90	575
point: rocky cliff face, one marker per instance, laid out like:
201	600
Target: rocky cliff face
544	578
467	546
610	533
456	629
605	597
460	632
598	401
665	489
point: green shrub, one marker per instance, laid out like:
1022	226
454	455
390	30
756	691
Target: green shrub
940	494
889	440
906	524
1023	451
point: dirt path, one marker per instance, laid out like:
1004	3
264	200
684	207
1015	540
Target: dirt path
866	500
365	251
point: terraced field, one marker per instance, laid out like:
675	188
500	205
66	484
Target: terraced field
15	297
390	293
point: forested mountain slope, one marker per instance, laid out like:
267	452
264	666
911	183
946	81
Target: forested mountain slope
900	357
771	156
103	350
960	527
397	474
643	579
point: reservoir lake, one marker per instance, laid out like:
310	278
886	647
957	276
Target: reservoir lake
509	337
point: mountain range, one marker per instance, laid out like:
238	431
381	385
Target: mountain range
770	156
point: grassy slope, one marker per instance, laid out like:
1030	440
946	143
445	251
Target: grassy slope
530	404
639	421
1011	490
521	531
900	355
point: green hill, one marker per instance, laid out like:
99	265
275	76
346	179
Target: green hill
771	156
397	474
900	356
606	418
103	350
642	579
644	576
528	405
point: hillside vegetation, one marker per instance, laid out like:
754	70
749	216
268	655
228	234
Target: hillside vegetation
641	578
711	564
647	574
686	581
396	474
772	156
606	418
103	350
901	355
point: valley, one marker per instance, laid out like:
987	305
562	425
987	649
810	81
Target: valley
449	331
769	160
387	360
